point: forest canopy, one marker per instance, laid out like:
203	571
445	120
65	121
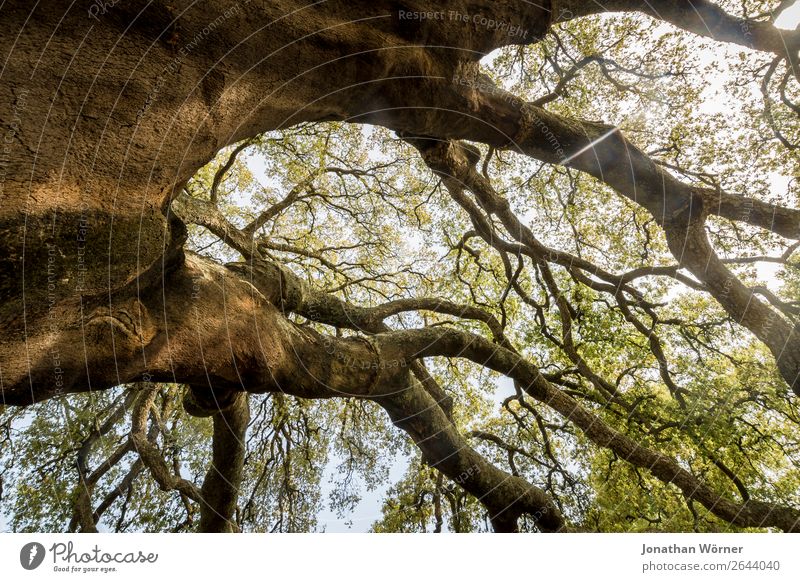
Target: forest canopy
557	288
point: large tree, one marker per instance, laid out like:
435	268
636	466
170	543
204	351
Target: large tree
240	237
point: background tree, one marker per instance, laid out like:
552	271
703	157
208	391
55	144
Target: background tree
248	242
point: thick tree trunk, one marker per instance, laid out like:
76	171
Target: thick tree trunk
108	109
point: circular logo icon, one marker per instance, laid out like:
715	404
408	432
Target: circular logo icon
31	555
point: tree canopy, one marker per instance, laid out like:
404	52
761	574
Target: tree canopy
542	256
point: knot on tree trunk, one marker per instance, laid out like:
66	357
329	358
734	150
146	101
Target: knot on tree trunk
203	402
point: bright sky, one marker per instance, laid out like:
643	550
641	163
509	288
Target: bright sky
367	512
789	18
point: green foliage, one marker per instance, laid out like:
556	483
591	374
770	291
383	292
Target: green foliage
371	223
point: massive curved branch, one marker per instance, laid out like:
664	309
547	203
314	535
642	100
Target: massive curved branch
505	496
495	117
429	342
701	17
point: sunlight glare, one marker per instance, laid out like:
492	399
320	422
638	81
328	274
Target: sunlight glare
789	19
